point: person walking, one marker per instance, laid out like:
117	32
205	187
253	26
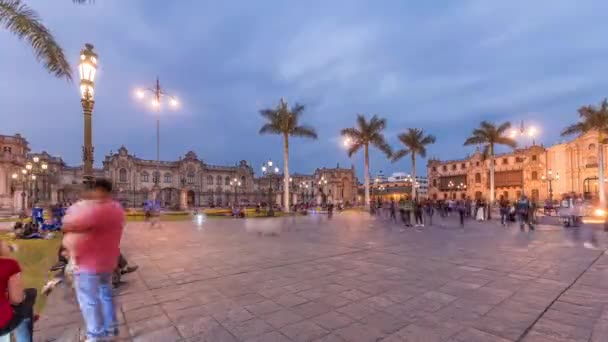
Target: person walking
98	223
461	212
522	209
418	214
504	211
393	209
429	210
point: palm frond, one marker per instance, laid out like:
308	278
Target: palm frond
22	21
381	144
475	140
354	148
577	128
399	154
351	133
268	114
270	128
502	140
305	132
504	127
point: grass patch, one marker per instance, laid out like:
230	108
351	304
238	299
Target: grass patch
35	258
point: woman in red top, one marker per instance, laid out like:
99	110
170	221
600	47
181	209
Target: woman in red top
16	304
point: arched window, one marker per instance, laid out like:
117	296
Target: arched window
534	175
122	175
505	161
243	181
168	178
227	180
434	182
591	147
209	180
156	177
478	178
218	180
7	149
190	178
145	177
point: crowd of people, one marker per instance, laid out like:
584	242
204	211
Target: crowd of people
418	213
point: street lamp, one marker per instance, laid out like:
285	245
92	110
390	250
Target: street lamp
523	131
549	179
88	70
158	94
36	168
22	178
270	172
235	183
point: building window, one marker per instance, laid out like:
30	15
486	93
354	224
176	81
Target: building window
434	169
227	180
505	161
122	175
218	180
591	147
517	194
145	177
519	159
505	195
190	178
156	177
7	149
444	168
454	167
534	175
434	182
463	166
242	180
168	178
476	163
535	195
478	178
209	180
534	157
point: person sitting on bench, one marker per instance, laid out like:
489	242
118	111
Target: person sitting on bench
16	303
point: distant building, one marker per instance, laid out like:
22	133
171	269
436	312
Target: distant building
526	170
396	187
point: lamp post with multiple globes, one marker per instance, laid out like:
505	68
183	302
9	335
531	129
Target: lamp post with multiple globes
270	171
158	94
88	70
235	183
22	178
549	178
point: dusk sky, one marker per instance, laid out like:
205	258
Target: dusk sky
442	66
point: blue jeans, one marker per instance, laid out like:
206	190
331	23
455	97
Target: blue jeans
94	293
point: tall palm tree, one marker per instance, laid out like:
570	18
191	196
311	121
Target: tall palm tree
367	133
594	119
414	142
284	121
489	135
22	21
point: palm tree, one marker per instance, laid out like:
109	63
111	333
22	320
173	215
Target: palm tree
594	119
414	142
284	121
365	134
489	135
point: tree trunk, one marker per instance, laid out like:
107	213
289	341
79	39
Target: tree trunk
286	173
366	177
491	174
600	171
414	176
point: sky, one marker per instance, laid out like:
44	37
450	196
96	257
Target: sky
442	66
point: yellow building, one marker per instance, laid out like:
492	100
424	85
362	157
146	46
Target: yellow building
540	172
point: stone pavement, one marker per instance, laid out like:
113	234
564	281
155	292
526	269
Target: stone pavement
353	278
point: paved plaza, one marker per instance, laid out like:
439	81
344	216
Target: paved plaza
352	278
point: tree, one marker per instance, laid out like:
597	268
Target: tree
489	135
284	121
367	133
594	119
22	21
414	142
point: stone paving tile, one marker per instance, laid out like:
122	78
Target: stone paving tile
166	334
304	331
359	332
149	325
248	329
312	309
272	336
474	335
282	318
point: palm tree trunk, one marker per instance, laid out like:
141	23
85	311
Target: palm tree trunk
491	174
286	173
413	176
600	170
366	177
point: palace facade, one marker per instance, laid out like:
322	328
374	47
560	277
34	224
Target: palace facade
539	172
184	183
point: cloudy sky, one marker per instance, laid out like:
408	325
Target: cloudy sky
442	66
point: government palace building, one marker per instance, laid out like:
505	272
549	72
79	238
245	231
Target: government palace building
28	179
539	172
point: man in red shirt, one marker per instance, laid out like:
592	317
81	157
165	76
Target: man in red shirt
94	228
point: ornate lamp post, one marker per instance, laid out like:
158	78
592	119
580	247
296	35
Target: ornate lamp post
270	171
23	178
235	183
549	178
158	94
523	131
88	69
36	168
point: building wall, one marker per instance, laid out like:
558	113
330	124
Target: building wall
521	171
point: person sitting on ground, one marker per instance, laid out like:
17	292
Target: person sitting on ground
16	303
